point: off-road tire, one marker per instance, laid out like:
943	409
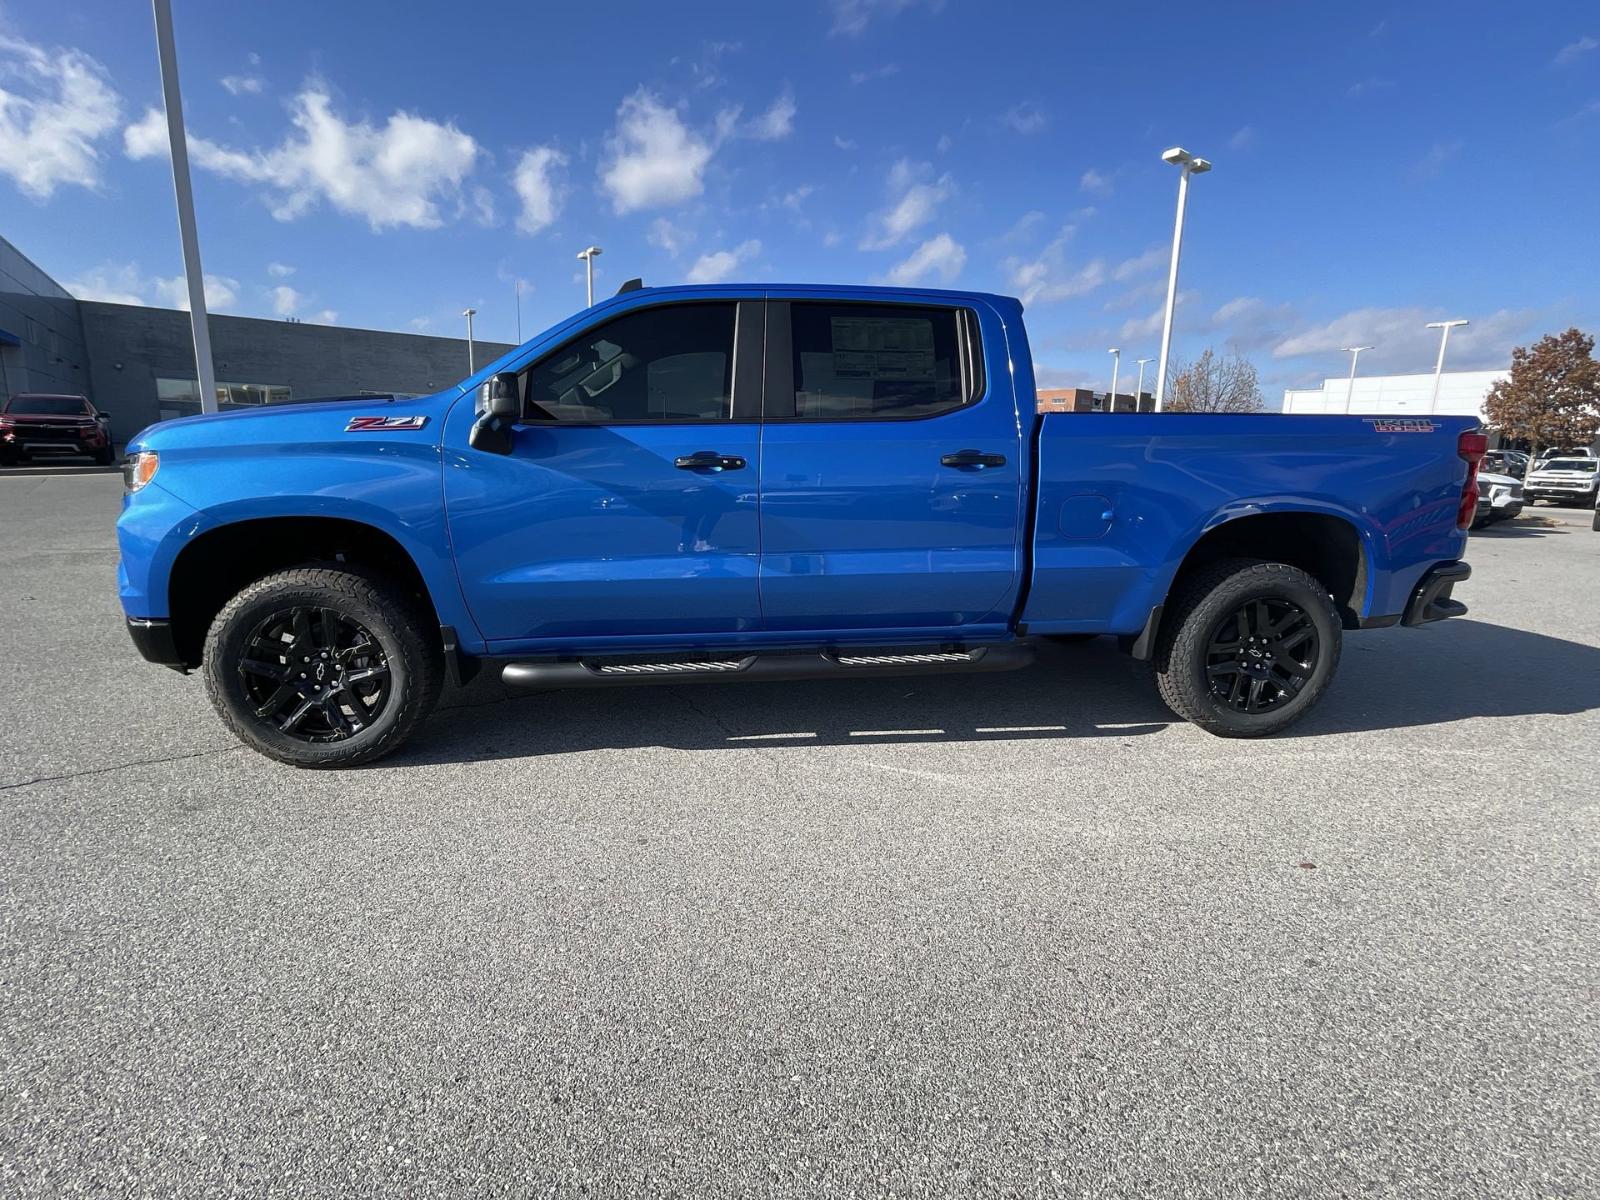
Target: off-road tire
1193	614
393	618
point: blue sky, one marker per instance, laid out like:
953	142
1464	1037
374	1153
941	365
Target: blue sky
383	165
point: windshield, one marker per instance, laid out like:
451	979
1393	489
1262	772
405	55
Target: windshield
1586	465
49	406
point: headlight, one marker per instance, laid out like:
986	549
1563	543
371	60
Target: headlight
139	469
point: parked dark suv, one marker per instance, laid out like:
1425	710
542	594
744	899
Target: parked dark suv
40	423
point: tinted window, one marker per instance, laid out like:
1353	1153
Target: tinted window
869	361
1571	464
673	363
49	406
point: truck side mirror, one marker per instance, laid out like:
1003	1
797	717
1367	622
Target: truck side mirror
499	407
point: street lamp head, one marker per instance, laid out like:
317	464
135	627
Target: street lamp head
469	312
1353	349
1447	324
1179	157
1114	350
590	252
1199	166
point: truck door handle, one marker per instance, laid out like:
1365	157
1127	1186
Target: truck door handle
973	458
709	460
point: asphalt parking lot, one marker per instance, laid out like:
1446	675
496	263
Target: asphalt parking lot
1014	935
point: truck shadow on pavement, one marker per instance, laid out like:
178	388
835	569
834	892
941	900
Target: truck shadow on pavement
1388	679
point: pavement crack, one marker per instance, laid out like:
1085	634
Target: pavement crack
123	766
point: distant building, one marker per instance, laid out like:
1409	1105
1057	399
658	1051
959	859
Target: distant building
1461	394
137	364
1085	400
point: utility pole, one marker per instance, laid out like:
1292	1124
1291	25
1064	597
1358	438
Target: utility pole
469	313
167	52
588	257
1178	157
1444	340
1349	393
1116	361
1138	390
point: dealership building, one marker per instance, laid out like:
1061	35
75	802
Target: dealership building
1461	394
137	364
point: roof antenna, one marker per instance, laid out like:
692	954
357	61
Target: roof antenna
632	285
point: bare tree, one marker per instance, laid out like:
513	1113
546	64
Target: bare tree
1214	384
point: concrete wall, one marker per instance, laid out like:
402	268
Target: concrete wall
37	312
131	347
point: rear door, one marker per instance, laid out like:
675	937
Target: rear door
626	510
891	469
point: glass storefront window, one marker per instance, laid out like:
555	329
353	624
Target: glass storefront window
181	397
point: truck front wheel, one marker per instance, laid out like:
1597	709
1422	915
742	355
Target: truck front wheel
1246	647
322	667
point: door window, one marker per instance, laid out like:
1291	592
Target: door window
673	364
881	362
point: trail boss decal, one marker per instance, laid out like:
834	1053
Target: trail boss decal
1401	425
375	424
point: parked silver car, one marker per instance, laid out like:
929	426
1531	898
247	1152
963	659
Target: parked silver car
1499	498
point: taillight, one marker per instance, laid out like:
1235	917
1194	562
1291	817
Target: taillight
1471	446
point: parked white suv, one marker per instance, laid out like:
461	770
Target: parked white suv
1564	480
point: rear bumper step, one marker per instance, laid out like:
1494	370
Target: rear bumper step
600	672
1431	601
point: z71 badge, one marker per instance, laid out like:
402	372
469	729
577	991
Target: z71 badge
1401	425
377	424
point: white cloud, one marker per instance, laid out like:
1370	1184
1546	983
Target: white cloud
1402	342
774	124
853	16
279	270
1431	163
844	143
1047	277
50	128
883	72
916	204
1155	256
719	265
124	283
1365	87
541	201
396	174
654	159
326	317
1243	138
109	283
1573	51
221	292
1095	181
941	255
671	238
286	301
1026	118
238	85
420	323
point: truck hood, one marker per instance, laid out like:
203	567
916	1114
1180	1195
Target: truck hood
288	422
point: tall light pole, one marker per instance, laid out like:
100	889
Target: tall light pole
1354	352
469	313
167	52
1116	361
519	312
588	257
1138	391
1190	165
1438	369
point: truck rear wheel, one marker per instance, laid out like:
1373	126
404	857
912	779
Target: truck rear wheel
1247	647
321	667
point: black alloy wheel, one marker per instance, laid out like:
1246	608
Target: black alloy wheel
1261	655
314	674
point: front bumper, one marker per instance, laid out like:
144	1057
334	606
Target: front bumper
152	638
1431	600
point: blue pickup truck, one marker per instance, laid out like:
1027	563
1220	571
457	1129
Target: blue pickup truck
755	483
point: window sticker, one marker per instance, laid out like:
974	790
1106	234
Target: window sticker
887	348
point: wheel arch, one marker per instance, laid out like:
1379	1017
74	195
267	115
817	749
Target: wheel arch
217	564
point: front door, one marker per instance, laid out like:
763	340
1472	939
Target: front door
627	508
891	470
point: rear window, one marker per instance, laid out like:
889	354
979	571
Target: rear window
48	406
881	361
1571	464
